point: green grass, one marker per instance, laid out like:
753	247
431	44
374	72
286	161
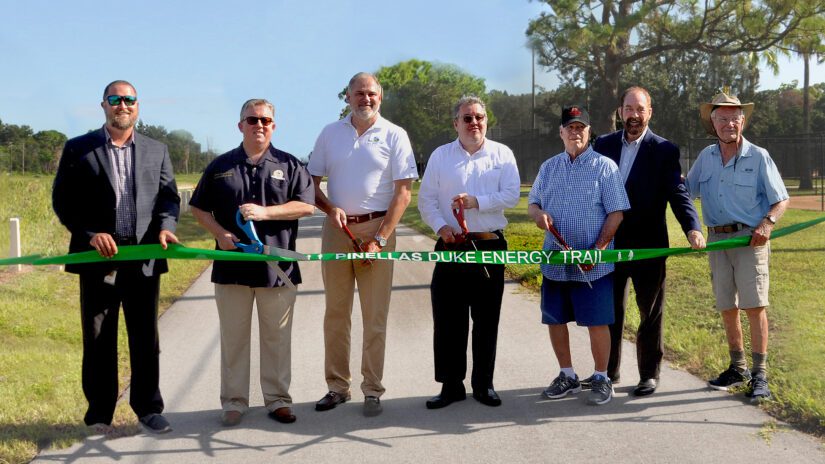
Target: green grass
694	335
43	404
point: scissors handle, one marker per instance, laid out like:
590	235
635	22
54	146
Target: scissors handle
255	245
459	216
564	245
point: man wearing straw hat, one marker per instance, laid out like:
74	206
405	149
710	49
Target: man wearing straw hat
742	194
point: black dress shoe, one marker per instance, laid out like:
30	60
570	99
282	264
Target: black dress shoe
488	397
445	398
645	387
450	393
330	400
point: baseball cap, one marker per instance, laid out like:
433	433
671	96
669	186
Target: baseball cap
574	113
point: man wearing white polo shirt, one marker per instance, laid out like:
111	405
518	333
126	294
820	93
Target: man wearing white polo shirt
369	165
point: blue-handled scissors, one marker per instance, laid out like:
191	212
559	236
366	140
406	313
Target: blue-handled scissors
257	247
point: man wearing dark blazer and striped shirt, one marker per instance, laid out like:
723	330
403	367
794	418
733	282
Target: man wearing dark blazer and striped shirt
650	167
115	187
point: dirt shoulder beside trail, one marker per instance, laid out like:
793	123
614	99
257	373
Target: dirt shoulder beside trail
809	202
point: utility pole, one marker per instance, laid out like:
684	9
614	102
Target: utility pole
533	87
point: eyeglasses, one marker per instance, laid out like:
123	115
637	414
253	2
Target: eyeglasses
725	121
114	100
253	120
469	118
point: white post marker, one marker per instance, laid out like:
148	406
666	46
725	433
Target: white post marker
14	242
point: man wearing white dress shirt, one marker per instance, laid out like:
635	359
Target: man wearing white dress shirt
482	175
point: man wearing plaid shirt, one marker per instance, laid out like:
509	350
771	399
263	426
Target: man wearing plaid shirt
580	193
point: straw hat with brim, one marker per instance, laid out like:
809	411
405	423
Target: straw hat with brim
722	99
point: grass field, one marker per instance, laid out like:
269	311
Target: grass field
694	335
43	402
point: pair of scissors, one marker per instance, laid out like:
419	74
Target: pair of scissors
465	231
357	243
564	246
257	247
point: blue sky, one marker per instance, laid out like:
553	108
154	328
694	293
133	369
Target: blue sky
195	62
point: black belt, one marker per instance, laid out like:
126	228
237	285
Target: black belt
728	228
366	217
124	241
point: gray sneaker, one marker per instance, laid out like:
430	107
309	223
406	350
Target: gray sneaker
758	388
372	406
585	383
601	390
562	386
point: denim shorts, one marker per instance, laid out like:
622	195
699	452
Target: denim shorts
563	302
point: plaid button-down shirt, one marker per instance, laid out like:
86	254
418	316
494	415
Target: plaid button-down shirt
123	168
578	195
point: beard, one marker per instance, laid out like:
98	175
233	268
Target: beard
634	126
366	113
122	121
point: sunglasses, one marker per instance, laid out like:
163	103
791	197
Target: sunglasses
253	120
469	118
114	100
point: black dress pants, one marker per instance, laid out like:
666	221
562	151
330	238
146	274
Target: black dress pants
648	277
99	310
459	292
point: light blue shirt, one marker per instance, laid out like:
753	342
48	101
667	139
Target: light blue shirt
578	195
629	151
741	191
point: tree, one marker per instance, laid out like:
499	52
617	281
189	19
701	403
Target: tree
807	41
48	146
593	42
419	96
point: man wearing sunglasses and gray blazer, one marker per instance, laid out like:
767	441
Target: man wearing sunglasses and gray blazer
115	187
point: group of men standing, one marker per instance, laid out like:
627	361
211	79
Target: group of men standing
115	187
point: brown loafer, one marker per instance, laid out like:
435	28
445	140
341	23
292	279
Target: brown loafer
283	415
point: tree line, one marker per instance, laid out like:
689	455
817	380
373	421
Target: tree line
23	150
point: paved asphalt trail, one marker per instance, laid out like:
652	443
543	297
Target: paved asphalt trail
682	422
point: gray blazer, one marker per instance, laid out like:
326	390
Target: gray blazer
83	196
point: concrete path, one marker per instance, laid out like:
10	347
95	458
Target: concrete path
683	422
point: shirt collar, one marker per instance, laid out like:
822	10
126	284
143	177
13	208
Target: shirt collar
108	137
379	123
481	151
587	153
744	149
635	142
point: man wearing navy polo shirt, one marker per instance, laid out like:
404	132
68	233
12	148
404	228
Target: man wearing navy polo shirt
273	189
580	193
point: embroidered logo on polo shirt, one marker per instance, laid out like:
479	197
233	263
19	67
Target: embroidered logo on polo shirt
373	139
277	174
222	175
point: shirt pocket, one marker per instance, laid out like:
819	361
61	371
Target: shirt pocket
744	190
490	180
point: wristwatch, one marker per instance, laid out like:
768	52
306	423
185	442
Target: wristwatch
382	242
771	219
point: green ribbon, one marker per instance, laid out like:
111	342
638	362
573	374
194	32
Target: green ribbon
177	251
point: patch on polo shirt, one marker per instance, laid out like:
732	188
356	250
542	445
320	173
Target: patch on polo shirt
222	175
277	174
373	139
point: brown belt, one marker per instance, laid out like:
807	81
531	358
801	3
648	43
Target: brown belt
728	228
365	217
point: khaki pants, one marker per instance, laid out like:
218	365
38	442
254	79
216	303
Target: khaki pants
275	327
374	288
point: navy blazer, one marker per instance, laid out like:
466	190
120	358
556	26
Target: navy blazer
83	196
655	179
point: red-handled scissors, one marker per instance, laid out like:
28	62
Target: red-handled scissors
561	243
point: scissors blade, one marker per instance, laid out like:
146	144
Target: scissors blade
284	253
280	272
578	266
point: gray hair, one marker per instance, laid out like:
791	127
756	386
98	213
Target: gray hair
365	74
467	100
117	82
253	102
